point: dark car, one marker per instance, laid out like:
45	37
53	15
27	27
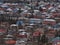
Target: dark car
57	26
2	33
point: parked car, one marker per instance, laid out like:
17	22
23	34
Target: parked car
35	21
9	40
21	42
55	15
56	41
57	26
2	33
49	21
22	33
12	26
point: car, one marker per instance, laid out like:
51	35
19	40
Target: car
21	42
9	40
34	21
55	15
50	34
56	41
20	23
29	28
57	26
22	33
49	21
2	33
14	26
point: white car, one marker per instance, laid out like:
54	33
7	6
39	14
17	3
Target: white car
21	42
22	33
